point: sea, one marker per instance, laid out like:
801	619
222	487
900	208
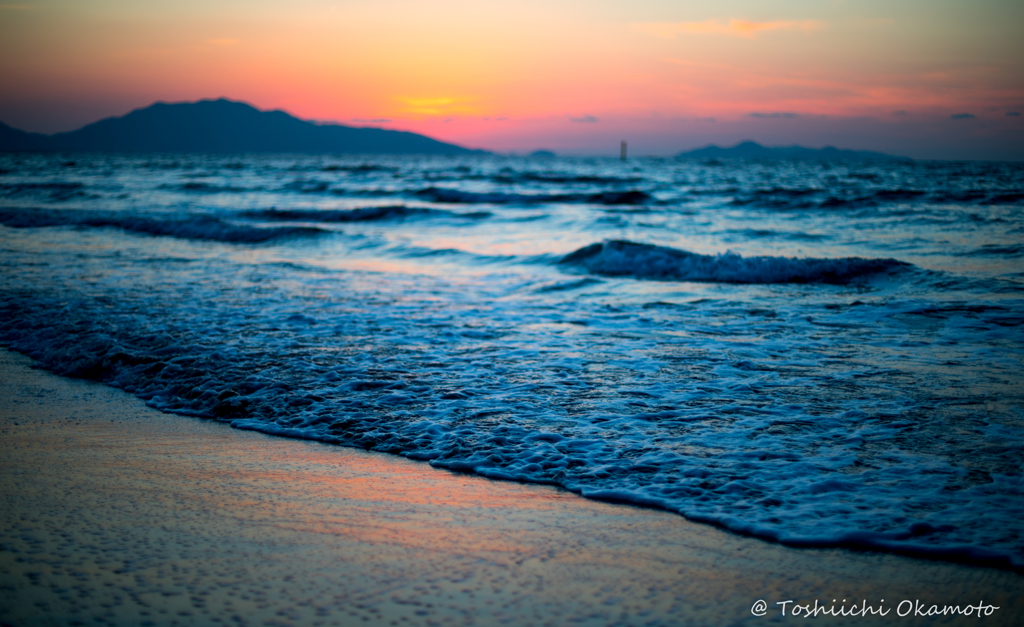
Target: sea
823	354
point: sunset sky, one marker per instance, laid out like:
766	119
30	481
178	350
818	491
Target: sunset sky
922	78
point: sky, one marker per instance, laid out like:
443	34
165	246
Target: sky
933	79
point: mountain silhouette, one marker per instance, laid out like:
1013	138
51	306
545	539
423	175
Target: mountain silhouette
224	126
13	139
753	150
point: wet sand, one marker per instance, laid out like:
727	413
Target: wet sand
113	513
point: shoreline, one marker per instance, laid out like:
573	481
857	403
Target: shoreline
117	514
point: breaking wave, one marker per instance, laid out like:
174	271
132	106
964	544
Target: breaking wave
646	261
193	227
362	214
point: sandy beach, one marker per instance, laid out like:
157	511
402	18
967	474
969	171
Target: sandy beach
116	514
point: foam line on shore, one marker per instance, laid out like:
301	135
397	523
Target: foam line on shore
192	519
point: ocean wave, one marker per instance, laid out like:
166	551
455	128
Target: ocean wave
996	250
570	179
199	187
358	169
959	197
454	196
303	186
362	214
814	198
315	186
193	227
629	197
772	234
1009	198
647	261
511	177
56	191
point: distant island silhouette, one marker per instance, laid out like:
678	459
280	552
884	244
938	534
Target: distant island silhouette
753	150
228	126
223	126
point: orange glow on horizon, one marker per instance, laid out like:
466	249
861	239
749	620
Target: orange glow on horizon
472	72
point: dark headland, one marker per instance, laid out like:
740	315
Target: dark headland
753	150
224	126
